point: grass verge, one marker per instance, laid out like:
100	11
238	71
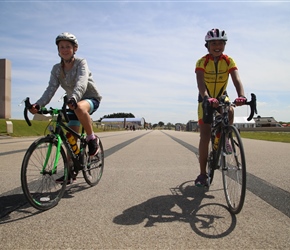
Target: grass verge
267	136
20	128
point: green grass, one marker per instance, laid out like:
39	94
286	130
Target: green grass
20	128
267	136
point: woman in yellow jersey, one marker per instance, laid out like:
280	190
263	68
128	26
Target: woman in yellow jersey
212	74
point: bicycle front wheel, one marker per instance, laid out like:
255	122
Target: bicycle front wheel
39	175
234	169
210	168
94	166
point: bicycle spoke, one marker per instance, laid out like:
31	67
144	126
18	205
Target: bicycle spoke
38	183
234	171
94	167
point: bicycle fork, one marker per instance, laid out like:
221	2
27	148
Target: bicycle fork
48	154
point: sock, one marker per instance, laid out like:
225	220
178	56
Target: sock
91	137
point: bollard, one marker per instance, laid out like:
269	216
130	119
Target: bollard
9	127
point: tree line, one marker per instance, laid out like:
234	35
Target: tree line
118	115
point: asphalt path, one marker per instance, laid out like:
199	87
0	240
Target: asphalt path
147	199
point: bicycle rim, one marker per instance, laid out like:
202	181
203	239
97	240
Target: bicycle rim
94	167
38	182
234	170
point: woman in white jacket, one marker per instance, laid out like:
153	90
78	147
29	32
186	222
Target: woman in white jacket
74	76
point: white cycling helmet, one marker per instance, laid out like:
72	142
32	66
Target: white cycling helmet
65	36
216	34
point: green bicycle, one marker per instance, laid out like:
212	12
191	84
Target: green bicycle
46	160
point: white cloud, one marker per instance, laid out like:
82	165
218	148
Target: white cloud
142	55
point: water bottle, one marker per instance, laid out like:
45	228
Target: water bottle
73	143
216	141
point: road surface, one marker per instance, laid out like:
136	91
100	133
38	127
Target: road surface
147	199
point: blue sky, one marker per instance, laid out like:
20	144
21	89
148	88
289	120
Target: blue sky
142	53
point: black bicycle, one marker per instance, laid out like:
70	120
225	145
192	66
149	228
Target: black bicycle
227	153
52	157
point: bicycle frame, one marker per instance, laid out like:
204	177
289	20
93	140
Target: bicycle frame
61	138
219	126
58	132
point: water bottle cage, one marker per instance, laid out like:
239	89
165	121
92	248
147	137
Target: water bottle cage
217	121
217	124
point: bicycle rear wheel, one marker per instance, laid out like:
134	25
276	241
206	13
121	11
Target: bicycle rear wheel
37	178
234	170
94	167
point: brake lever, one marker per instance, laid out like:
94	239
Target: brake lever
27	106
253	106
64	109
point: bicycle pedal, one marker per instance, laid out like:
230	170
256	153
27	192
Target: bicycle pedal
94	159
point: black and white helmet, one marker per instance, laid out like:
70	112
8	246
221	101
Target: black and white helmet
216	34
65	36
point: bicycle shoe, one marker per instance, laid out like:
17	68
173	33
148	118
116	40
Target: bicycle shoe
201	180
93	146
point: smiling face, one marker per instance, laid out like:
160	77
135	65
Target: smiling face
216	47
66	49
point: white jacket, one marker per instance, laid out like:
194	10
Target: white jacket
78	83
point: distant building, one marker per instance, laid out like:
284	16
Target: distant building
39	117
192	125
179	127
124	122
242	122
266	122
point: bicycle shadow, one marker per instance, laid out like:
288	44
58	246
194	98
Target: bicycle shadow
186	204
76	187
16	202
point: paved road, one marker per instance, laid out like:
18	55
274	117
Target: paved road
146	199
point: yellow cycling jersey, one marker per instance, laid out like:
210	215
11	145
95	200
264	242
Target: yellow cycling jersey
216	75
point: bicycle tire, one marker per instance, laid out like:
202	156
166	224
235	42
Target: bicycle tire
41	189
94	166
234	170
210	169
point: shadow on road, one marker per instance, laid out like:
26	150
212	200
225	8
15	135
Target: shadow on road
17	202
10	203
186	204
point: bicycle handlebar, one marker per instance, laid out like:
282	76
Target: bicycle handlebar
208	112
253	106
28	106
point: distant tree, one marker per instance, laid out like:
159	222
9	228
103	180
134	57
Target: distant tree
119	115
160	124
169	125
